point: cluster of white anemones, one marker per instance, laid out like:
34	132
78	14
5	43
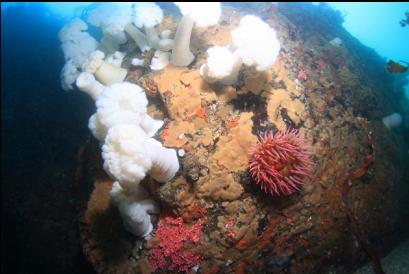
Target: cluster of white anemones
137	21
125	130
115	21
121	122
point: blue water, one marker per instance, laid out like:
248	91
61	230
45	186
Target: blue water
43	126
376	26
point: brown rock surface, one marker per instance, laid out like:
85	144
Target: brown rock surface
244	229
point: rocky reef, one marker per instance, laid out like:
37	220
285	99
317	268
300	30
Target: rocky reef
334	93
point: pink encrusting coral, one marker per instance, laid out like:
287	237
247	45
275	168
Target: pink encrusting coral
170	254
281	162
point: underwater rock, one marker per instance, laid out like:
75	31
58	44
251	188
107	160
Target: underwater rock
244	230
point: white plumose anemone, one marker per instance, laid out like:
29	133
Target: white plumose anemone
204	15
112	19
135	209
87	83
147	16
115	59
121	103
166	42
138	36
125	156
222	65
77	44
69	74
160	60
254	43
106	73
165	163
97	130
129	155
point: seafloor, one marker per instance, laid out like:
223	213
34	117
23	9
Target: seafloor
336	95
397	261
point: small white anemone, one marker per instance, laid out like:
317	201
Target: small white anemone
393	120
86	82
137	62
160	60
336	42
115	58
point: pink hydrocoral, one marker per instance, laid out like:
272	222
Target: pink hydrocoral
169	254
280	162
